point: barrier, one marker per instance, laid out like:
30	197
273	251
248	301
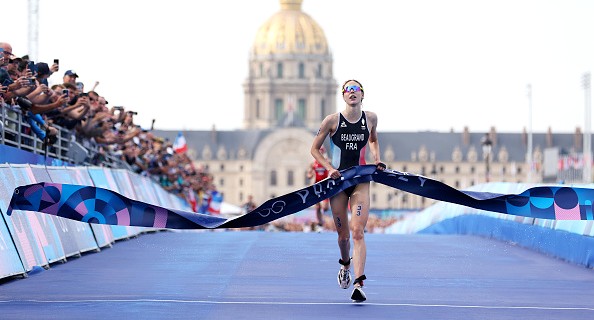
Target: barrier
80	232
45	229
565	245
33	239
570	240
29	249
10	263
104	179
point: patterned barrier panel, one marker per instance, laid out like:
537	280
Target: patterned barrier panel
103	234
442	211
81	232
144	188
45	229
67	239
125	184
10	263
102	178
29	249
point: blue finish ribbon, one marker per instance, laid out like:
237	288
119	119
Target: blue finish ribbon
98	205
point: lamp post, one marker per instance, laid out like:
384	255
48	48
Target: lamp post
529	147
587	148
487	146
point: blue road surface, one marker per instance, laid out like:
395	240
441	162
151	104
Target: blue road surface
267	275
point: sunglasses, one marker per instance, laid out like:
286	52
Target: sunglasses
351	89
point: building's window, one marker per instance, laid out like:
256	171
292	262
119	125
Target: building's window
261	69
373	198
457	184
222	167
503	169
472	169
404	198
240	196
423	170
319	71
519	170
301	108
322	108
240	182
404	168
279	108
290	178
301	70
241	168
257	108
457	169
433	169
279	70
441	169
221	182
273	178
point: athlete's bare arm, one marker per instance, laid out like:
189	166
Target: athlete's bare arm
373	141
327	127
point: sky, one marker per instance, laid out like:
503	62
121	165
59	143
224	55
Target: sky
426	65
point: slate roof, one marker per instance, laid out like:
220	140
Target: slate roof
402	143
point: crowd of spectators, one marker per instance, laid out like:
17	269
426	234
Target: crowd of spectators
85	116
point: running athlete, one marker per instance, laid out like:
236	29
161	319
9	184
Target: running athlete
350	132
317	171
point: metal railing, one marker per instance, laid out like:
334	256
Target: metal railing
69	148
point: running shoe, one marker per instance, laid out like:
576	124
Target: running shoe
358	295
344	278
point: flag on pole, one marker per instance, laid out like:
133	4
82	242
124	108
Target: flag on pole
179	145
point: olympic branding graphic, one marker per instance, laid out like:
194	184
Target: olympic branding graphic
97	205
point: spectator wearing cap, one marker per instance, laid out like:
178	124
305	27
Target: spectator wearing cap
70	77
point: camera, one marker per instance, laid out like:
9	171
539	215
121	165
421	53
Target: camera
24	103
57	61
132	113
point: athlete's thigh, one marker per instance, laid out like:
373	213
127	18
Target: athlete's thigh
360	204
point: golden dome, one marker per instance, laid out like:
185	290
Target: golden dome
290	31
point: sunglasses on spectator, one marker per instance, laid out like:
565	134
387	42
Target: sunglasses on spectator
351	89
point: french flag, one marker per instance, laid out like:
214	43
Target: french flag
179	145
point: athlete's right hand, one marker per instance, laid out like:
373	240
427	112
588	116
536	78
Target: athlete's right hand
334	174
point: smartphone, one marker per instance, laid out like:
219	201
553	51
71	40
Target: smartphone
6	82
65	92
57	61
80	86
32	81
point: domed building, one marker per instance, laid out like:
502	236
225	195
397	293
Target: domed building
290	81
